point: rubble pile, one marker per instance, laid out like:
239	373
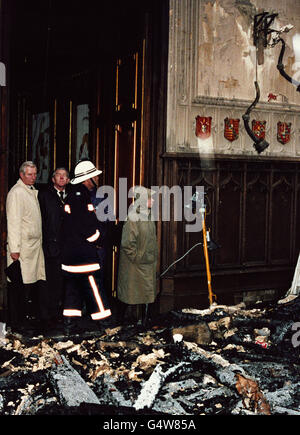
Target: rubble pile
223	360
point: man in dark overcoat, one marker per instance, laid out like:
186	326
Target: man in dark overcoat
52	200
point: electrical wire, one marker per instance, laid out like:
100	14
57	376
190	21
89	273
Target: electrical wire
194	246
181	258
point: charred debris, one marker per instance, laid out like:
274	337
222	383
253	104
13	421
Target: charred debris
225	360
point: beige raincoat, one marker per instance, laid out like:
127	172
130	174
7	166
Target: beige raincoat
24	231
137	265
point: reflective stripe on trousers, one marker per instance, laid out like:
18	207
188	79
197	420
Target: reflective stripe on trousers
85	286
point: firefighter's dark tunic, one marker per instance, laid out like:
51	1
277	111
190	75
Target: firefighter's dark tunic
80	262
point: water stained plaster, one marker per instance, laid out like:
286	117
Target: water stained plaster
212	60
227	56
219	50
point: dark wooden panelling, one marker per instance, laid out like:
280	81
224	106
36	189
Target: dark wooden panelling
126	82
253	215
255	218
281	216
229	214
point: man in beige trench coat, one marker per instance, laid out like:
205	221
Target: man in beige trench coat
24	244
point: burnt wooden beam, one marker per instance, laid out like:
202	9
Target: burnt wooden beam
152	386
70	386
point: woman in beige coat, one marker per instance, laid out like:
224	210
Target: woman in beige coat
138	259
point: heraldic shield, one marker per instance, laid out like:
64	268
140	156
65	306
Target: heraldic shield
284	132
259	128
203	126
231	129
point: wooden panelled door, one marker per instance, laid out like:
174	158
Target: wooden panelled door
129	140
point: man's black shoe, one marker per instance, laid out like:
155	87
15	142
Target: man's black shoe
107	323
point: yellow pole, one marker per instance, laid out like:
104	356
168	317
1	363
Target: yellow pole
211	295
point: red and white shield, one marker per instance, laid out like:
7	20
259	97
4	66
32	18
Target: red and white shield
231	129
259	128
203	126
284	132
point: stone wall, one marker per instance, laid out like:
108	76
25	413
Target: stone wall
213	65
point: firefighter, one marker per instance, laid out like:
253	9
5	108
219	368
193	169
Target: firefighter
80	261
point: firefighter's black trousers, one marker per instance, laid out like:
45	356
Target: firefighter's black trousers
84	287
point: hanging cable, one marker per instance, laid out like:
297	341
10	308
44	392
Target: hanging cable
181	258
256	74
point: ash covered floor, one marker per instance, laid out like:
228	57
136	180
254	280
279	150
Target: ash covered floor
232	360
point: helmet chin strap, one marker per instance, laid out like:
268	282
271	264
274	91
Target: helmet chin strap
95	185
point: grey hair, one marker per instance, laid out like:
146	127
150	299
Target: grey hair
61	169
28	164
